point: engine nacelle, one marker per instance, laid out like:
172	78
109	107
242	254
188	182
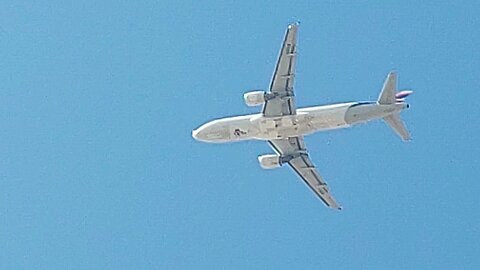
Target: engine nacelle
254	98
269	161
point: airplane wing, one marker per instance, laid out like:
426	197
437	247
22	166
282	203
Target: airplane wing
282	100
294	149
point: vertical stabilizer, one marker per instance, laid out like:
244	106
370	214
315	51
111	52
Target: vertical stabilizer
387	96
398	126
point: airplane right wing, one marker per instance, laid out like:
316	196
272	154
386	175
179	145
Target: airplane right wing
294	149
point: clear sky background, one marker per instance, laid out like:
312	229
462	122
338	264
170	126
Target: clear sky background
98	169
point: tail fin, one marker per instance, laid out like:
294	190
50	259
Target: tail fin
398	126
387	96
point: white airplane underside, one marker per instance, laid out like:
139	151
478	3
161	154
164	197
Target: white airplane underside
283	126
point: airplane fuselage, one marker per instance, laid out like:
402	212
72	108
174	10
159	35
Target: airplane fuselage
306	121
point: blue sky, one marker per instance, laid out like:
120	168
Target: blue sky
98	169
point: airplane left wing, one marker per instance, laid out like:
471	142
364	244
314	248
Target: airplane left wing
294	151
281	99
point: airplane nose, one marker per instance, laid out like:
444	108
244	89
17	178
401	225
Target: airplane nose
210	133
195	134
199	134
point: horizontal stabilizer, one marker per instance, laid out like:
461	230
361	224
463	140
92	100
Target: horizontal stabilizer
398	126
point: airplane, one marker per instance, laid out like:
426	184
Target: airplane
284	126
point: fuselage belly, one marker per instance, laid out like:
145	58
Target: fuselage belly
305	121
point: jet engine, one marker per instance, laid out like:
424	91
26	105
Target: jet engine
254	98
269	161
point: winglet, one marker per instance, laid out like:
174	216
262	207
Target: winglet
294	23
